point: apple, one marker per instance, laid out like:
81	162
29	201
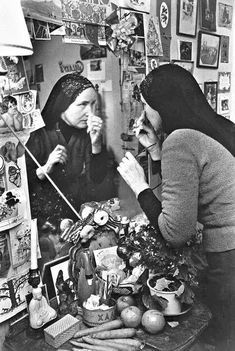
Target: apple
131	316
124	301
153	321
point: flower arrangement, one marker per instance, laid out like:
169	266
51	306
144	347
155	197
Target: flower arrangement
144	245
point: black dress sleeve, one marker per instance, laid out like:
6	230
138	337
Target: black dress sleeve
99	164
150	205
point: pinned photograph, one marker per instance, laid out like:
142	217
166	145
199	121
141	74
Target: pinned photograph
185	50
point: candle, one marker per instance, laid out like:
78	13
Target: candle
34	230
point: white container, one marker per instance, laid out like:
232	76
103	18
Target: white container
174	305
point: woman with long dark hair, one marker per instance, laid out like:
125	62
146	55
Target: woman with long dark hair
198	182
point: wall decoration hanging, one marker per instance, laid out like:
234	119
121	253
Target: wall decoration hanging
96	70
12	295
138	5
44	10
152	36
188	65
136	57
41	30
210	91
89	52
164	15
223	104
20	244
207	11
152	63
224	51
185	50
16	79
208	50
27	101
225	17
224	82
85	11
187	18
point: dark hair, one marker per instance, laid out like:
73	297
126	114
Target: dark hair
175	94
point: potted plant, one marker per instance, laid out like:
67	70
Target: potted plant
171	271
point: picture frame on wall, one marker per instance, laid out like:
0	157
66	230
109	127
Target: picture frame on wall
185	50
207	13
208	52
187	18
188	65
223	104
225	16
210	91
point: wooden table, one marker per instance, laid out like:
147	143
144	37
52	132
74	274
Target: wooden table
180	338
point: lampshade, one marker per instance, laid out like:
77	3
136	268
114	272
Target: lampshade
14	36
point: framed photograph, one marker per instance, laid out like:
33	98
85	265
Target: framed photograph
223	104
224	82
225	15
50	274
185	50
208	50
210	91
188	65
207	11
187	17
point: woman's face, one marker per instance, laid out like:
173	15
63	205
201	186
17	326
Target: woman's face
83	106
153	116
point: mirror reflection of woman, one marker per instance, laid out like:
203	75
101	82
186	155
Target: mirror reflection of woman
197	166
69	148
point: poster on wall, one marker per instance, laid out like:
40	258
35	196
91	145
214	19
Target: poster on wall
224	82
75	33
225	17
16	79
48	11
164	16
84	11
224	51
153	41
137	5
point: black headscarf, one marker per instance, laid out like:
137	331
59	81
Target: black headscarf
64	92
175	94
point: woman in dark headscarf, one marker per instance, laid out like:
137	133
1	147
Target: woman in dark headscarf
198	183
69	149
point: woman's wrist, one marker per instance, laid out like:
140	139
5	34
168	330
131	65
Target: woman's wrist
140	188
154	152
96	148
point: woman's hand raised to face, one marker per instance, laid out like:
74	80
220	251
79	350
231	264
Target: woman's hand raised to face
132	173
94	127
148	137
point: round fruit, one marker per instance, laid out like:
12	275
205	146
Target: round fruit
124	301
153	321
131	316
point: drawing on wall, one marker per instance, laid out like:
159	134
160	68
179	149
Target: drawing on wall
224	82
20	244
185	50
153	36
16	78
47	10
187	17
208	14
84	11
12	296
210	91
223	104
4	255
208	50
41	30
224	51
225	15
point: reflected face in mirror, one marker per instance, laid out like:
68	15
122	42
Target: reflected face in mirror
153	116
83	106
